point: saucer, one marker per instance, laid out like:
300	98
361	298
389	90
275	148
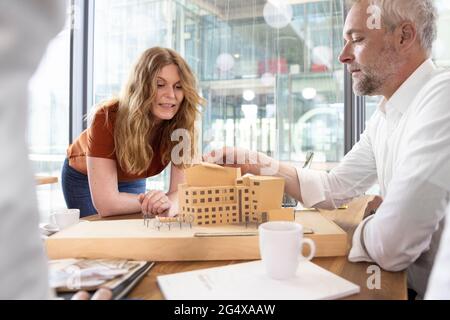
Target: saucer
48	228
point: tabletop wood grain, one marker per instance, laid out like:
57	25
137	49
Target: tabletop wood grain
45	180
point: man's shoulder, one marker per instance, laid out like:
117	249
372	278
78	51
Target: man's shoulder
434	91
439	80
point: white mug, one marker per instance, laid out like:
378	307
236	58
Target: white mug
65	218
280	246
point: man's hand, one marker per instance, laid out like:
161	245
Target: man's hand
372	206
100	294
236	157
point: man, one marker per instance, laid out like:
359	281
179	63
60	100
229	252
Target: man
406	146
26	26
25	29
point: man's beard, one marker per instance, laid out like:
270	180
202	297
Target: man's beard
373	77
368	83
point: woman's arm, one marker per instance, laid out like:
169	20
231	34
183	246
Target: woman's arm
176	178
102	175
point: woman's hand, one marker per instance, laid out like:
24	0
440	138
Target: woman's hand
155	202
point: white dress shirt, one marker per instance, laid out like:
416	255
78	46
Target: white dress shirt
406	149
439	283
26	26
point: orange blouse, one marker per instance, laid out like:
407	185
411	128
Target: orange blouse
98	141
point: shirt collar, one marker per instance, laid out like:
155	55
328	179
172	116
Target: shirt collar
404	96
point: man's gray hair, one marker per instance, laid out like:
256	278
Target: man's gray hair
422	13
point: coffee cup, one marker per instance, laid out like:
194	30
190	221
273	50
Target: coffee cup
280	245
65	218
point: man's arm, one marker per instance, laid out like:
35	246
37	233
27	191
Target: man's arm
439	283
352	177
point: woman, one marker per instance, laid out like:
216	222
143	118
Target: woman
130	139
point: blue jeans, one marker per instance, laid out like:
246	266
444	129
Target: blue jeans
77	194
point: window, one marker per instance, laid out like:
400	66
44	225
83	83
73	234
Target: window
48	130
441	54
272	86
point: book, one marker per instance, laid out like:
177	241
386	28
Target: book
248	281
68	276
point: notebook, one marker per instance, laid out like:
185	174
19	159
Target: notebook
248	281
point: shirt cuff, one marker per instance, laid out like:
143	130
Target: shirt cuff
358	251
311	187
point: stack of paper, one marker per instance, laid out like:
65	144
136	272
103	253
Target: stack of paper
248	281
70	275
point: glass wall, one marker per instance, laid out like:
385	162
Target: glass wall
48	130
268	69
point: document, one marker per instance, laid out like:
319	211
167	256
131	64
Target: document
248	281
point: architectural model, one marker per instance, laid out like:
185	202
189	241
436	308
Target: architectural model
215	195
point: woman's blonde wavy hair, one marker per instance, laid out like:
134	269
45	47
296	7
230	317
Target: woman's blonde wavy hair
135	122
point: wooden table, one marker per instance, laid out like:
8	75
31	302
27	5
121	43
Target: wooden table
393	284
45	180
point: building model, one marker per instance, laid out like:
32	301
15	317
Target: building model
215	195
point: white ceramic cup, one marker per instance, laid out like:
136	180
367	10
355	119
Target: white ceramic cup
65	218
280	246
